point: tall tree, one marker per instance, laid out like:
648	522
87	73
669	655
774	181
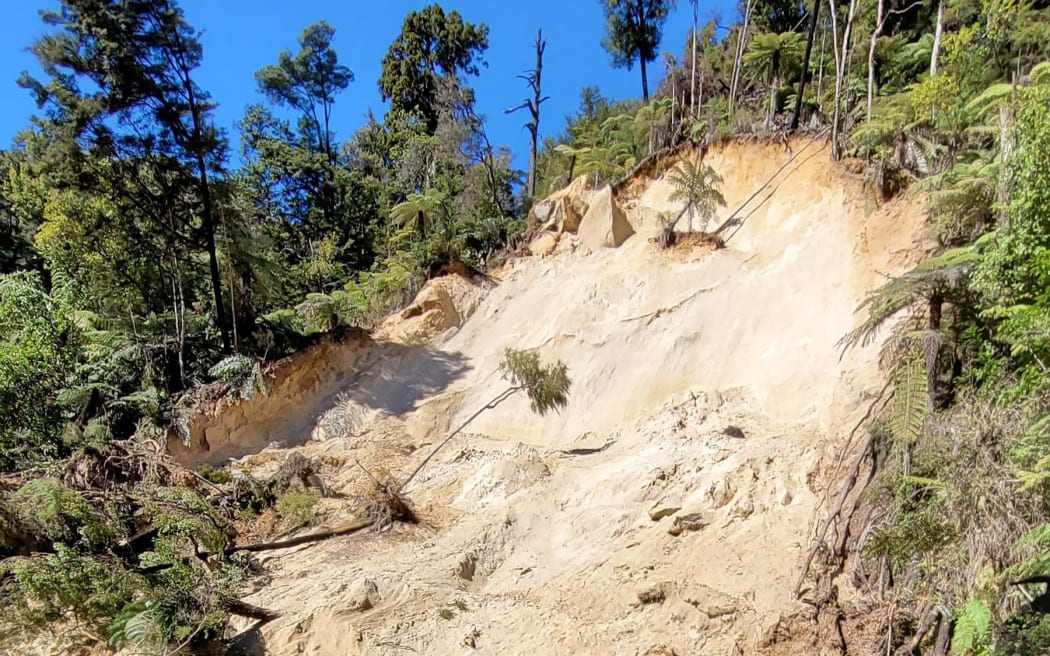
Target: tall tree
309	82
122	90
432	45
632	32
841	48
804	73
296	172
534	79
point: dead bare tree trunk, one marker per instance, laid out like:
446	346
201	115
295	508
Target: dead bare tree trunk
938	32
841	50
739	59
880	21
534	79
692	70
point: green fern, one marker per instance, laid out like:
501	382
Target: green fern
696	185
242	374
143	626
972	627
910	408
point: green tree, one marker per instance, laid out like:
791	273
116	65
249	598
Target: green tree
295	173
632	32
122	103
308	82
696	185
433	45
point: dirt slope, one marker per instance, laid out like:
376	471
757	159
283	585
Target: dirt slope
708	393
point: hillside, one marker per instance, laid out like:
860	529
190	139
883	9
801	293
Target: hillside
709	399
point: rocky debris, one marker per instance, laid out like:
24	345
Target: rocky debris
362	594
734	431
471	639
468	566
661	650
711	602
605	224
690	522
563	210
544	244
743	508
654	594
720	493
663	509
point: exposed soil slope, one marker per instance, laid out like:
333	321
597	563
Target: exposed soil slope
708	393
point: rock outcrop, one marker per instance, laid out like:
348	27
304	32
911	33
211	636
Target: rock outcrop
605	224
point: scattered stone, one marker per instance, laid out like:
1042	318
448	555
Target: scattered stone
471	639
733	431
540	213
661	510
720	493
743	508
363	594
661	650
468	566
690	522
544	244
653	595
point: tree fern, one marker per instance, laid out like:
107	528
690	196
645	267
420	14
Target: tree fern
696	184
241	373
945	275
142	626
972	627
910	408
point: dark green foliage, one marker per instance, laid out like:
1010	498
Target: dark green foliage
633	29
39	346
547	386
433	46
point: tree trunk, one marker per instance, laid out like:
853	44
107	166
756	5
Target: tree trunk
937	39
213	257
796	115
537	100
645	80
875	34
841	50
692	70
739	59
774	87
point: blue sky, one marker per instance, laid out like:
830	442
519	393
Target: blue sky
242	36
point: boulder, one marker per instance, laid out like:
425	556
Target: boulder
568	212
362	595
605	224
541	212
563	210
544	244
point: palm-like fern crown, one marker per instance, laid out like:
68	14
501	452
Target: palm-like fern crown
696	184
770	55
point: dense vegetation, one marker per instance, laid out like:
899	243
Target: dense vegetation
137	263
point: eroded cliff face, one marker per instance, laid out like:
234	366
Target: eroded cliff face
669	507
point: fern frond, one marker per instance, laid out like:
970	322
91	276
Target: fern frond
910	403
971	627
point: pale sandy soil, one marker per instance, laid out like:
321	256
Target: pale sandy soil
537	536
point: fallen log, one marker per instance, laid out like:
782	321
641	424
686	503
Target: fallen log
346	529
244	609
